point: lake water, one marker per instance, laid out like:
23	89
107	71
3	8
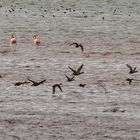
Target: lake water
107	108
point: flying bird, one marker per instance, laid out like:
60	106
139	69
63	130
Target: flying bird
82	85
36	83
78	71
77	45
132	70
57	85
129	80
69	79
20	83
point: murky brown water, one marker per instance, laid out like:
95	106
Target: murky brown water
111	40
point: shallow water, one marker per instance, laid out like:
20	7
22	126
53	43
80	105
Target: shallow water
110	43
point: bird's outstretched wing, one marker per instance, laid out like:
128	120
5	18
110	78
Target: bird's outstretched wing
79	69
41	82
59	87
31	80
71	69
67	77
72	78
76	44
53	89
135	69
129	67
82	48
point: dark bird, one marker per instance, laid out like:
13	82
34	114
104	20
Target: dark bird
115	10
82	85
129	80
76	72
132	70
69	79
21	83
36	83
12	9
77	45
57	85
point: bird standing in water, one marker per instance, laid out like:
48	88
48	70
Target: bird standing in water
13	41
36	41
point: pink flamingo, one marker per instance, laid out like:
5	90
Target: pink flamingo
13	41
36	41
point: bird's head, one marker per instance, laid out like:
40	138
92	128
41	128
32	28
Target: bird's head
12	36
34	37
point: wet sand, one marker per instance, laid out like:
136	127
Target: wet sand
107	108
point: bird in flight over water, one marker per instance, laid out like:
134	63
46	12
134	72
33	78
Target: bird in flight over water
21	83
82	85
58	86
36	83
78	71
77	45
132	70
129	80
69	79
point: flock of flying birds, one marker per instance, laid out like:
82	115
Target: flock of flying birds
77	72
69	79
37	43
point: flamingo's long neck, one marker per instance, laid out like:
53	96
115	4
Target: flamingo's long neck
12	36
34	37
